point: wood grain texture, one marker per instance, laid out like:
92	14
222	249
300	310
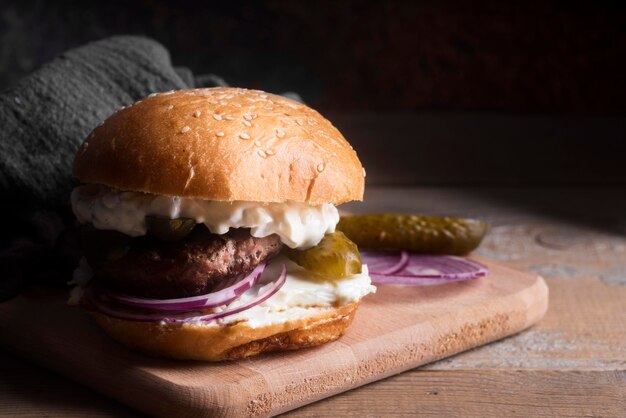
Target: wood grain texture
397	329
572	363
480	393
30	391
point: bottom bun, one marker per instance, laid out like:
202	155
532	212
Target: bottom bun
228	342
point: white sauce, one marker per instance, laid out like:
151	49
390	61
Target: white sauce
298	224
304	294
82	275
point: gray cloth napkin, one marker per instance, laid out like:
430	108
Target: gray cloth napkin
43	119
46	115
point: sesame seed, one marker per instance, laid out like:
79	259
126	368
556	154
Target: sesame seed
257	143
244	135
299	121
268	108
217	117
220	134
320	167
364	174
197	114
280	133
185	129
214	102
236	105
263	96
170	107
247	117
229	117
269	152
223	102
310	122
262	153
152	94
245	122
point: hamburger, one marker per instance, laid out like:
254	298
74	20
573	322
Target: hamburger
194	205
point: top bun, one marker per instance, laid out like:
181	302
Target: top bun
222	144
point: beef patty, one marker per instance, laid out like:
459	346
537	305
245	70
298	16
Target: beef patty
148	267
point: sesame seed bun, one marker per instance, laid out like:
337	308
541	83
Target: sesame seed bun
228	342
222	144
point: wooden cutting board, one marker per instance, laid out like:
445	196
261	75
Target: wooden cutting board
396	329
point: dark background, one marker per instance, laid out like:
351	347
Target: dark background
470	93
428	92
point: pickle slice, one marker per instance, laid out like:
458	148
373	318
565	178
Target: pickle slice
416	233
335	256
169	229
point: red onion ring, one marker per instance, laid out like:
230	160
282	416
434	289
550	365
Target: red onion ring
385	263
276	285
209	300
420	270
95	299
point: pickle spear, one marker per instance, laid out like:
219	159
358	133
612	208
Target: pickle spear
169	229
416	233
335	256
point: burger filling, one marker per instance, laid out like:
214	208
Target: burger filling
168	247
152	268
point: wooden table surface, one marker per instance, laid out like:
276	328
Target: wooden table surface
573	363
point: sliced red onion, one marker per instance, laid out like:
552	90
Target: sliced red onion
210	300
96	299
420	270
385	262
269	292
101	302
